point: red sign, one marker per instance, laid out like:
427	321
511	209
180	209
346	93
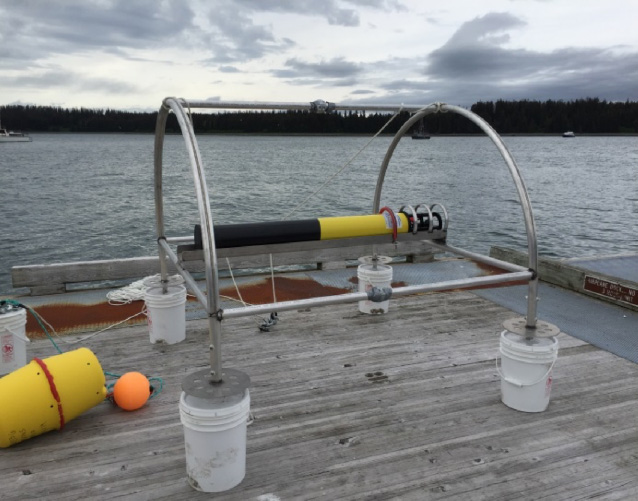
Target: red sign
611	289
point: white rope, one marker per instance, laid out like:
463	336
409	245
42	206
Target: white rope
235	283
303	202
142	312
135	291
272	280
127	294
232	276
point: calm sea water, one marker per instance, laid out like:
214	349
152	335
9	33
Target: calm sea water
84	197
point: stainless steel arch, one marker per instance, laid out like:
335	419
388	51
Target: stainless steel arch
523	196
206	221
211	300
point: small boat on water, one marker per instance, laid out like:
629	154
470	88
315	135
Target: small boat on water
569	133
420	133
9	136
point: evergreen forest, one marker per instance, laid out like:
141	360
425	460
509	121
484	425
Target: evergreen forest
583	116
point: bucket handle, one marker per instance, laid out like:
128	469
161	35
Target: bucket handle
18	335
518	383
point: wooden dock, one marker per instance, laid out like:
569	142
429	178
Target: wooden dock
349	406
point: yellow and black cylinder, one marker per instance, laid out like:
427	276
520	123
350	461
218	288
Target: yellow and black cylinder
323	228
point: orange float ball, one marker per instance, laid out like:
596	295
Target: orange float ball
131	391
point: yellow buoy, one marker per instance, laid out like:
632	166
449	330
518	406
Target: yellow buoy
45	394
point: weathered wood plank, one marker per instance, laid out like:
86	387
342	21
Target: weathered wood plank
432	425
563	274
53	278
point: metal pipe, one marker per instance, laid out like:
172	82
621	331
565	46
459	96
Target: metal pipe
351	297
188	278
532	247
188	239
389	108
476	257
160	127
514	172
208	240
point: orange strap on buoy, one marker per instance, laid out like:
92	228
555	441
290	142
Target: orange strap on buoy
54	390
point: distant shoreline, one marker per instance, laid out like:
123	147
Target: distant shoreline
341	134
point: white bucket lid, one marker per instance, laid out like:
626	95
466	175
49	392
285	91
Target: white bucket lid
156	280
15	317
171	292
371	259
381	272
536	345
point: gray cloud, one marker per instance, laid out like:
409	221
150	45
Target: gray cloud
334	68
343	12
336	72
69	82
228	30
474	49
474	64
34	30
234	36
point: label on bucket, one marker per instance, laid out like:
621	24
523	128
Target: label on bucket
8	352
548	386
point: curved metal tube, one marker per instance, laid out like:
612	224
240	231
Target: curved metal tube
513	169
206	220
415	225
445	215
430	218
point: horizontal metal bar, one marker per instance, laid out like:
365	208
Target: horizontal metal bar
297	106
188	239
352	297
477	257
185	274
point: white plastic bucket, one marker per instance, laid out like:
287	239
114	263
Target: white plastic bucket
215	441
166	314
526	371
13	341
370	276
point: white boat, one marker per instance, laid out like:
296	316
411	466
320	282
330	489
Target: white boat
420	133
569	133
9	136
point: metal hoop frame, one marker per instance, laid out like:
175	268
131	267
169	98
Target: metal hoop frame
211	300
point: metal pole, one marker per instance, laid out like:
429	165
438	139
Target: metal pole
188	278
160	127
387	108
516	176
208	240
351	297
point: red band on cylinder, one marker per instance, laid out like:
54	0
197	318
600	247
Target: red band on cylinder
54	390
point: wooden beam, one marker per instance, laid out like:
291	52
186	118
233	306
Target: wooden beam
54	278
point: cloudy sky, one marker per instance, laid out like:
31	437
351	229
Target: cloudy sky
130	54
